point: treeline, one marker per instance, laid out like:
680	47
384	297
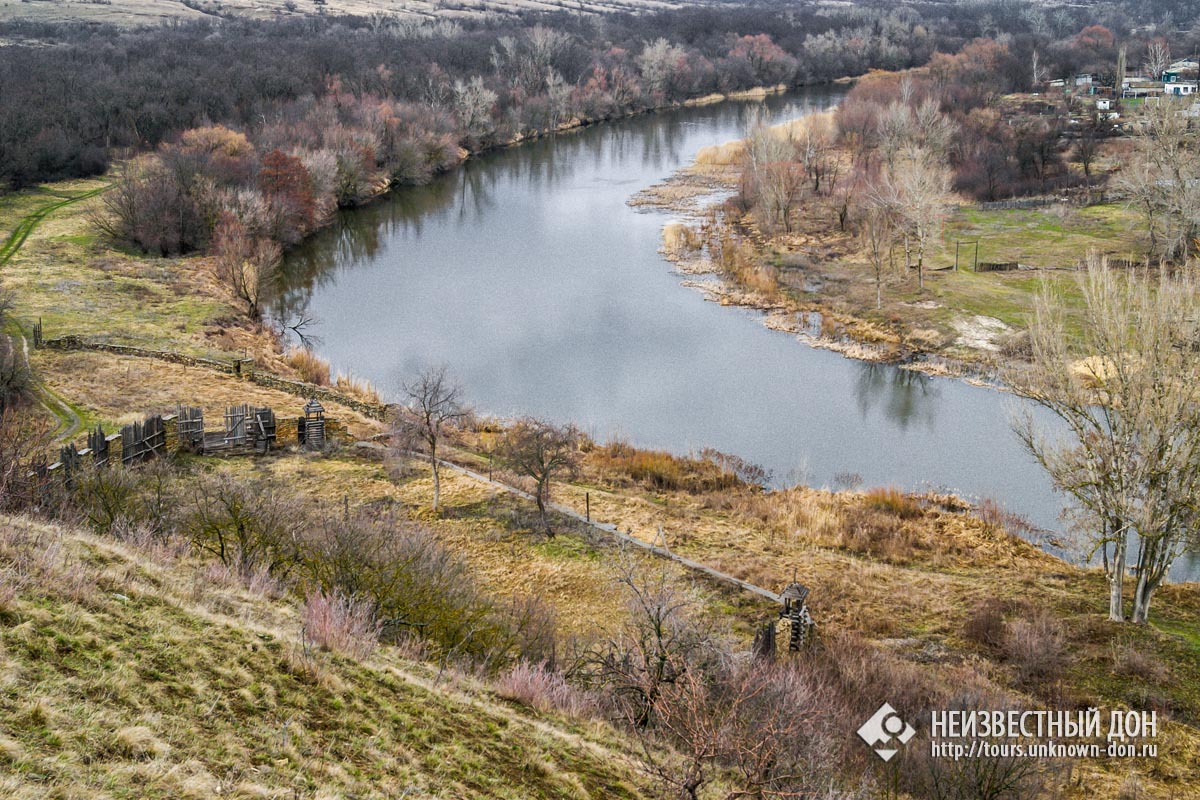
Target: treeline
72	96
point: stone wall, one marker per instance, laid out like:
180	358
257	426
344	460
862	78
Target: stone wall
243	369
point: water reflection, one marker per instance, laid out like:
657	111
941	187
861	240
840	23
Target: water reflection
903	395
527	272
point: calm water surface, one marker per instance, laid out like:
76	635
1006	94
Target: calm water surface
528	274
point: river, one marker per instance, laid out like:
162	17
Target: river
527	273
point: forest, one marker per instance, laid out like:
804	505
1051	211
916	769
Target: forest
73	97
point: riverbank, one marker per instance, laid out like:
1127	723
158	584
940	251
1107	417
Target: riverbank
816	282
911	577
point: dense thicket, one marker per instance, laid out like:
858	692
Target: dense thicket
73	95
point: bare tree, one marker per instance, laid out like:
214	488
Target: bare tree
775	180
1128	395
653	646
1037	71
1158	58
435	405
245	263
473	104
925	188
539	451
876	231
23	436
1162	180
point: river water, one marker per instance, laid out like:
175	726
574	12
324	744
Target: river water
527	273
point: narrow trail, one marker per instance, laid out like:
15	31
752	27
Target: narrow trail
25	227
69	422
610	529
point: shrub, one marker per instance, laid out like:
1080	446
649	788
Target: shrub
247	524
23	436
540	687
340	624
986	624
1036	647
662	471
104	496
417	586
1130	662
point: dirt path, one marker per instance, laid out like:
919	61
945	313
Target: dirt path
25	227
69	422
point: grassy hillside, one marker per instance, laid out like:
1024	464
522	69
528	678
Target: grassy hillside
139	674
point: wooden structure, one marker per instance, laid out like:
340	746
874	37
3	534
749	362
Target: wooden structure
262	430
98	446
191	428
795	622
312	429
141	441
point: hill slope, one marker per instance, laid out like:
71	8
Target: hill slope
123	675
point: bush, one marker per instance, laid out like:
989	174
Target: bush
1036	647
540	687
986	626
249	525
340	624
418	588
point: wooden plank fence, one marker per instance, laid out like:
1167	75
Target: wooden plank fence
191	428
143	440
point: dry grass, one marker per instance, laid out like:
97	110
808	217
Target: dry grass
721	155
619	464
151	682
110	389
358	388
309	366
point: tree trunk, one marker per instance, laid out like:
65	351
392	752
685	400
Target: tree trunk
921	265
540	496
1116	581
437	478
1142	593
1146	582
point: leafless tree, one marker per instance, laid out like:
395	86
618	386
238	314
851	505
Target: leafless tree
875	230
1162	180
924	188
1037	71
540	451
658	640
245	263
473	103
248	525
1126	389
435	405
1158	58
774	178
23	435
